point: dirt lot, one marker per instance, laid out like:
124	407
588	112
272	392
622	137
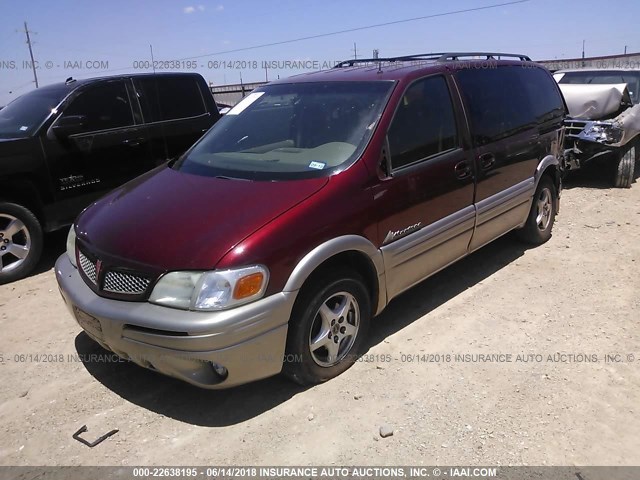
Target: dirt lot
576	295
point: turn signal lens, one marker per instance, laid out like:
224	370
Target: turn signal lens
248	286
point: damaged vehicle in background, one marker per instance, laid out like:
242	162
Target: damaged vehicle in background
604	120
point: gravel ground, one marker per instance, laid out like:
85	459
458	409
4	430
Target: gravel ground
558	310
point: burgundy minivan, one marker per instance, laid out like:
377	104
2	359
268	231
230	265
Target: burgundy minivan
271	244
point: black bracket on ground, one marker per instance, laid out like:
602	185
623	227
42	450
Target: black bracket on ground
95	442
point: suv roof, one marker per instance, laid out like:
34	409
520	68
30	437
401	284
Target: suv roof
72	83
397	68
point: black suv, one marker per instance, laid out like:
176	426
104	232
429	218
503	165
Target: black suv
64	145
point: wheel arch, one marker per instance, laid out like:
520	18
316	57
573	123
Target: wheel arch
352	250
22	191
550	166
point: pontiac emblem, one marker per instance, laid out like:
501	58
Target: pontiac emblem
98	268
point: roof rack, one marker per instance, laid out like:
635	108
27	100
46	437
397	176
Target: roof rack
438	57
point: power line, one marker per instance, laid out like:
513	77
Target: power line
328	34
356	29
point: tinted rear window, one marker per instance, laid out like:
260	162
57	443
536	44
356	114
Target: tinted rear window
169	98
506	100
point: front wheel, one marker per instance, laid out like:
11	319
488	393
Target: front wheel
624	168
20	242
328	328
542	215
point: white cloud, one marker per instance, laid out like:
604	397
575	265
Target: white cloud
220	8
191	9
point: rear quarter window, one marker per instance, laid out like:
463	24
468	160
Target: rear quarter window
498	103
169	98
544	94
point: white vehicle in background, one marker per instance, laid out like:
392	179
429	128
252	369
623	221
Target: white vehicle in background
604	123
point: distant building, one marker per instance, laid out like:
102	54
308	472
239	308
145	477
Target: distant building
628	60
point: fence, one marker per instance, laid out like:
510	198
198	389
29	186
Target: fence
232	94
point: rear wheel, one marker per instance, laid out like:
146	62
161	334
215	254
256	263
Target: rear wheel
625	168
328	328
20	242
542	215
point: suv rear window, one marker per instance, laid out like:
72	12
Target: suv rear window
169	98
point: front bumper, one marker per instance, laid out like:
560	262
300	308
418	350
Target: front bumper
248	341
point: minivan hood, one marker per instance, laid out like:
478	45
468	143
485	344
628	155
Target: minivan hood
169	220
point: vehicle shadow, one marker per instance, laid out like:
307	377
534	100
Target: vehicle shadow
54	246
596	176
215	408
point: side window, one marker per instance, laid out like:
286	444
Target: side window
497	102
424	123
105	106
169	98
543	92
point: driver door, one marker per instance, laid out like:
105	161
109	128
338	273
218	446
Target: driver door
108	148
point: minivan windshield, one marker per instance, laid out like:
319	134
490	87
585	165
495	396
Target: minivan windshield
25	114
606	77
290	131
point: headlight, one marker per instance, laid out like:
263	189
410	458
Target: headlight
603	133
206	291
71	246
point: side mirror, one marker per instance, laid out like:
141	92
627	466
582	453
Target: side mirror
69	124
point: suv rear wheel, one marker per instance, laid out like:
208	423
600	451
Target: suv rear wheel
542	215
20	241
625	167
328	328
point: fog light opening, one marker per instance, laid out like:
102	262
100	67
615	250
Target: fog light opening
219	370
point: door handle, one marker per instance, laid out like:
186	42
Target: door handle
487	160
462	170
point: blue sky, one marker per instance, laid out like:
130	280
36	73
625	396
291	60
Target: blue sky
116	34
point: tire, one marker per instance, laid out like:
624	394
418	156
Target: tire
624	168
337	351
542	215
20	242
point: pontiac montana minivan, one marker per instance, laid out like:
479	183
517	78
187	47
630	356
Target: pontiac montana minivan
271	244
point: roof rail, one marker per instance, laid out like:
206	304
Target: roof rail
438	57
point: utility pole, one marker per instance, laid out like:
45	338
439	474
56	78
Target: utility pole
625	49
355	51
153	63
376	53
583	53
33	63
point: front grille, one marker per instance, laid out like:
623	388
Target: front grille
125	283
88	267
574	127
112	281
